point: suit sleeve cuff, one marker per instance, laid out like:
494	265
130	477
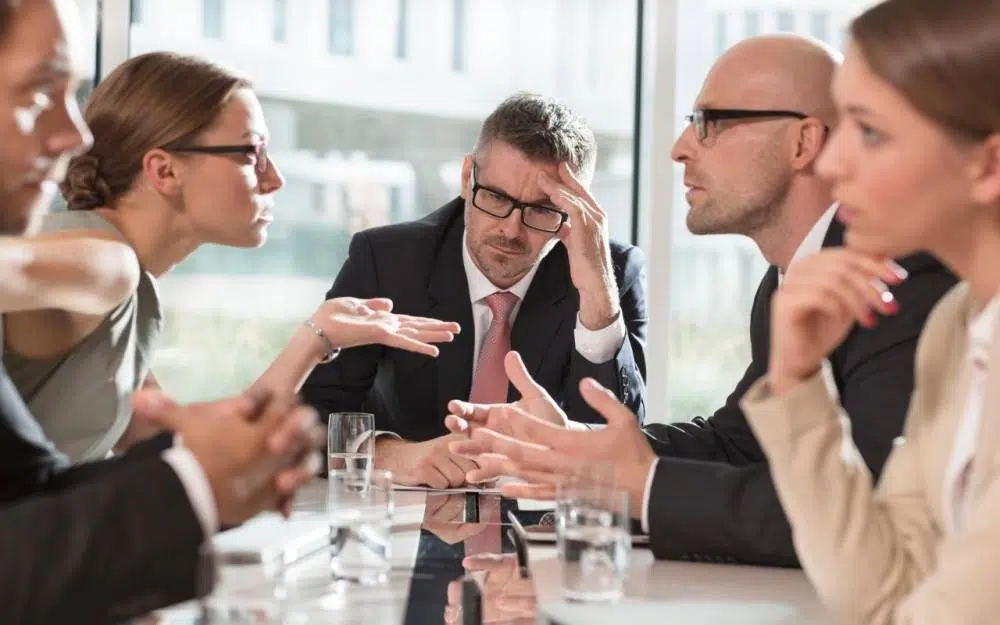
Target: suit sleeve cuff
600	346
778	421
645	495
196	485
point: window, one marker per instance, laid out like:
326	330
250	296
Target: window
786	21
751	23
355	157
819	25
342	27
89	15
721	38
211	24
135	11
281	20
402	24
707	346
459	35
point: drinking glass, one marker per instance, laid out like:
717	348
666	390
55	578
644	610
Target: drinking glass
351	441
592	532
360	509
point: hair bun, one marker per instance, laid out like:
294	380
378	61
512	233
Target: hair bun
85	188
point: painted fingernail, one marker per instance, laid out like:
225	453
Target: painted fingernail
891	305
898	270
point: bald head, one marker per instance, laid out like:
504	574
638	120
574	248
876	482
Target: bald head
754	174
774	72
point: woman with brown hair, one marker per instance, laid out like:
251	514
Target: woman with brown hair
915	164
179	159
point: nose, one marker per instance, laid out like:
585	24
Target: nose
271	180
684	146
832	164
64	131
511	225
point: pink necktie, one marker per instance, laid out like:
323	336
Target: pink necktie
489	384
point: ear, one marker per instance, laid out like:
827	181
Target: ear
159	169
808	143
466	176
985	176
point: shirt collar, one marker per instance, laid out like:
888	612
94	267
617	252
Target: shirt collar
480	286
982	328
813	241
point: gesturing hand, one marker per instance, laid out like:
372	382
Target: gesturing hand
350	322
819	301
466	417
543	454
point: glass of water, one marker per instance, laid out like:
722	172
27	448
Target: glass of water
351	441
592	530
360	509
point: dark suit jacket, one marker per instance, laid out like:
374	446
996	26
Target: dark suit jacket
98	543
419	266
712	498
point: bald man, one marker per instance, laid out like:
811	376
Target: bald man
702	488
749	154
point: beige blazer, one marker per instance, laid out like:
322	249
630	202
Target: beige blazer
879	556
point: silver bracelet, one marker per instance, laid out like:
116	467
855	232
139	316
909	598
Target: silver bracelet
331	351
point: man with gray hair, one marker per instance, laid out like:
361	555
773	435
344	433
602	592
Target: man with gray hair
491	260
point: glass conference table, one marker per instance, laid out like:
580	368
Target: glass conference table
434	580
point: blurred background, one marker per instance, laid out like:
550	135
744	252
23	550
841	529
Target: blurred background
371	106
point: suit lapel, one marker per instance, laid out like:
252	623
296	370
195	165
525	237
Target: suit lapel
760	317
448	289
540	316
834	235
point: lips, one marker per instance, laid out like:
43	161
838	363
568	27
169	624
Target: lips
846	214
506	250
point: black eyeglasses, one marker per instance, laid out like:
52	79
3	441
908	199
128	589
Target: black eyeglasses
258	150
701	118
500	205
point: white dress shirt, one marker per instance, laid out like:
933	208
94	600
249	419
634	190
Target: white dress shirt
195	484
597	346
955	492
812	243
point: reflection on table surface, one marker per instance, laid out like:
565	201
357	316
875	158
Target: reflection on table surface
454	561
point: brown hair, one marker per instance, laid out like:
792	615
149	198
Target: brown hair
943	56
6	16
149	101
543	130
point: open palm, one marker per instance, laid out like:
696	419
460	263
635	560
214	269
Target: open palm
535	400
350	322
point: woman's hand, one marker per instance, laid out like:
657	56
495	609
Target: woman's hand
350	322
819	301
